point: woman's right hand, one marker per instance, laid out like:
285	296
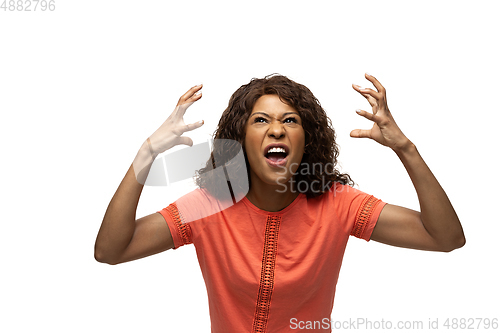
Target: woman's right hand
169	134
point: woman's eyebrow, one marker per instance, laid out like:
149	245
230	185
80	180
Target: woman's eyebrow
265	114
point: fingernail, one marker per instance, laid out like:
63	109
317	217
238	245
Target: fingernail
369	74
358	111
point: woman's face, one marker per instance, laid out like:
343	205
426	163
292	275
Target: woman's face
274	141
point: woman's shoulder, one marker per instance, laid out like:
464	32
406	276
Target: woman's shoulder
200	203
338	194
338	189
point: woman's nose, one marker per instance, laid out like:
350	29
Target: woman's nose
276	130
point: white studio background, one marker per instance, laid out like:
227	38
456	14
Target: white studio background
81	87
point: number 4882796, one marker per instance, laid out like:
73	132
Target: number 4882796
28	5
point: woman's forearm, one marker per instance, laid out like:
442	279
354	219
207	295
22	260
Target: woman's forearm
436	211
118	224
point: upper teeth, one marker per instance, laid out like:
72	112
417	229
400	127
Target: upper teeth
276	150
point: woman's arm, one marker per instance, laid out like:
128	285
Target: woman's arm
121	237
436	227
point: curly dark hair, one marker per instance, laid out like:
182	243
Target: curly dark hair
321	150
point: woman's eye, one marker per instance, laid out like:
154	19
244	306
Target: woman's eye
287	120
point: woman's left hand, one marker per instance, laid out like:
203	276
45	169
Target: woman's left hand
385	130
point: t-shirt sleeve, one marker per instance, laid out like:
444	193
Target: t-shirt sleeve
186	216
181	232
367	216
359	209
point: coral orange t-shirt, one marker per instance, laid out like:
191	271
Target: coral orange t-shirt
262	269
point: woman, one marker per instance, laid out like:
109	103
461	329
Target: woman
271	257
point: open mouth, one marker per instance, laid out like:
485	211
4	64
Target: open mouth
276	155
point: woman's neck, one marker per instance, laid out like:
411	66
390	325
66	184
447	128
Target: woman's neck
271	198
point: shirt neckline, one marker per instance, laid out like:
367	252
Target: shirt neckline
280	212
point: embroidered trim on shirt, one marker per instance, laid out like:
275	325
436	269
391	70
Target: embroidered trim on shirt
363	216
267	274
183	229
